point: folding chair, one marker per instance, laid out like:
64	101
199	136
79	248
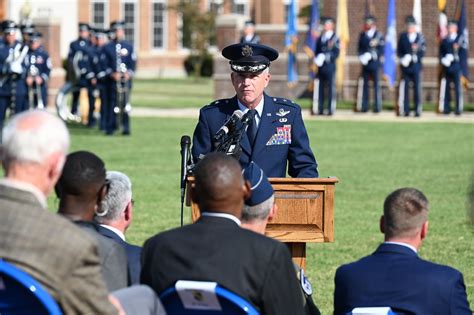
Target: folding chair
202	298
20	294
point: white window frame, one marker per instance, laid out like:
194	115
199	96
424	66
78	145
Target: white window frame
165	27
219	2
242	2
136	16
106	13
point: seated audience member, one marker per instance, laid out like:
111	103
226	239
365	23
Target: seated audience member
81	189
215	248
115	217
48	247
258	210
394	275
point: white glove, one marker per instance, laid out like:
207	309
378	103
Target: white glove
16	67
447	60
405	61
319	60
365	58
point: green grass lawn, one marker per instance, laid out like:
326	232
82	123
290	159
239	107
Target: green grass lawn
185	93
370	160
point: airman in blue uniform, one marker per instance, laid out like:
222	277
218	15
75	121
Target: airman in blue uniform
370	49
79	63
12	71
410	49
276	139
99	80
451	48
249	35
37	72
327	51
121	62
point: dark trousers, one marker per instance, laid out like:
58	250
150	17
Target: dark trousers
368	74
454	78
327	80
34	102
5	102
407	78
111	116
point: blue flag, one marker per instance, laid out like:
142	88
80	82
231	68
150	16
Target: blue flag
463	31
313	30
390	65
291	43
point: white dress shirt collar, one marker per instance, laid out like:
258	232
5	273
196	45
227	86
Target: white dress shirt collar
412	37
403	244
115	230
258	108
370	33
327	35
26	187
222	215
453	36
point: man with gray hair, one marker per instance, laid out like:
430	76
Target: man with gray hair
259	209
115	216
48	247
394	275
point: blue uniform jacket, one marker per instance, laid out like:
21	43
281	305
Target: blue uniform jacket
126	53
404	47
395	276
278	116
447	47
40	59
331	50
5	72
79	56
373	45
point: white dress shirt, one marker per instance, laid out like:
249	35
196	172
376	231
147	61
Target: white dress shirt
222	215
115	230
258	108
403	244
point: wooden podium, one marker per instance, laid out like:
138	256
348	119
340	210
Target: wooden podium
305	213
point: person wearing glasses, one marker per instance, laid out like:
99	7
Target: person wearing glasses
115	217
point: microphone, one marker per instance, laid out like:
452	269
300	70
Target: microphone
248	117
185	142
229	125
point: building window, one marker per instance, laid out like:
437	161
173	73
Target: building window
130	18
99	14
158	24
215	6
240	7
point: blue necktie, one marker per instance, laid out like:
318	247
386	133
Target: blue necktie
252	128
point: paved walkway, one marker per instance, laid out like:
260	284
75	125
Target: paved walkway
341	115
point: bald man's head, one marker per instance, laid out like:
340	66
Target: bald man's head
219	185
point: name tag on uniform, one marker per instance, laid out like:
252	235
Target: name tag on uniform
282	136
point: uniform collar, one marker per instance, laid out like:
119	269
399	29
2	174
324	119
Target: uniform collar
371	32
258	108
403	244
222	215
328	35
114	230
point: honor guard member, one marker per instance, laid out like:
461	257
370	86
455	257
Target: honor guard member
79	63
38	70
451	47
12	71
370	49
276	139
327	51
249	35
410	49
100	65
121	62
26	31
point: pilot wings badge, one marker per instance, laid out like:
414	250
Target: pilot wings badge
282	112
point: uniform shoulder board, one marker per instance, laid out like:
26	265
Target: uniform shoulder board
284	101
217	103
305	284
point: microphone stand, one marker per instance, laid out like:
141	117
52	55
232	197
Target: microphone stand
185	142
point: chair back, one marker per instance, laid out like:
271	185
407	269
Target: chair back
202	298
372	311
20	294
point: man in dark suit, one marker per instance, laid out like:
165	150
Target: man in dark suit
215	248
394	275
327	51
410	49
81	189
60	256
115	217
276	138
370	49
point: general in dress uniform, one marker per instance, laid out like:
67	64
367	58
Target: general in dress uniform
12	71
327	51
120	67
411	49
276	138
38	70
370	49
79	63
451	48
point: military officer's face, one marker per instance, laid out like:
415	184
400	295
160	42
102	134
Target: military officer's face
84	34
249	86
35	44
328	26
453	28
10	37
